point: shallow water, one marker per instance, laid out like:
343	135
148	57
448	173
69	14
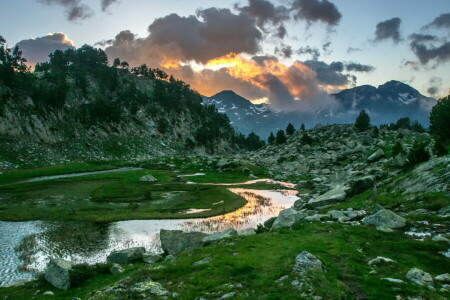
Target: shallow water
86	242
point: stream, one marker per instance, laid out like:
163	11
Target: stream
25	247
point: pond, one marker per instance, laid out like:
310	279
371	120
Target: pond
25	247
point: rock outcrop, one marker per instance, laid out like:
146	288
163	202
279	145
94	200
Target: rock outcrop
174	242
58	273
385	218
126	256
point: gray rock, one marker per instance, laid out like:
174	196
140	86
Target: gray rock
379	260
299	204
317	217
385	218
148	178
443	277
377	155
58	273
306	263
287	218
48	293
268	223
400	160
116	269
336	214
151	258
384	229
175	241
393	280
247	231
229	295
440	238
202	262
361	184
420	277
215	237
333	196
126	256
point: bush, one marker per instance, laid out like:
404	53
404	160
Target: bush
280	138
397	149
439	147
306	139
418	154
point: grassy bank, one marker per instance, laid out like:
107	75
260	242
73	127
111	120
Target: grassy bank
117	196
258	261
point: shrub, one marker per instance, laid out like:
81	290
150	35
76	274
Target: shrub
418	154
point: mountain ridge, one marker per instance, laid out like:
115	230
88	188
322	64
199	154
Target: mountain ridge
385	104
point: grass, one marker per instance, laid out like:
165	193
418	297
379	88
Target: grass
117	196
258	261
18	175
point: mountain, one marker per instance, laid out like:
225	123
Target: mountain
76	107
385	104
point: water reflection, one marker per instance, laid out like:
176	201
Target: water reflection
84	242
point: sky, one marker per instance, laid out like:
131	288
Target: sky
276	51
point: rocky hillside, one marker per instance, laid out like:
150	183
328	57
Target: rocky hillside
77	107
385	104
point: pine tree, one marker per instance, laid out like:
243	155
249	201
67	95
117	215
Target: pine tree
362	121
440	119
290	129
302	127
271	139
280	138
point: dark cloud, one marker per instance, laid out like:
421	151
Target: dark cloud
442	21
316	11
423	46
106	3
264	12
435	84
389	29
287	51
314	52
261	59
330	74
279	94
352	49
281	32
357	67
220	33
75	10
417	37
326	48
37	50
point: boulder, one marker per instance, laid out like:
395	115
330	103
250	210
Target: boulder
215	237
116	269
151	258
361	184
385	218
443	277
306	263
126	256
420	277
333	196
175	241
247	231
377	155
269	222
379	260
299	204
148	178
287	218
58	273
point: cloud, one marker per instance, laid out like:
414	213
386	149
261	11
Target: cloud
75	10
316	11
389	29
264	12
435	84
261	59
314	52
352	49
37	50
106	3
329	74
357	67
412	64
424	47
442	21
